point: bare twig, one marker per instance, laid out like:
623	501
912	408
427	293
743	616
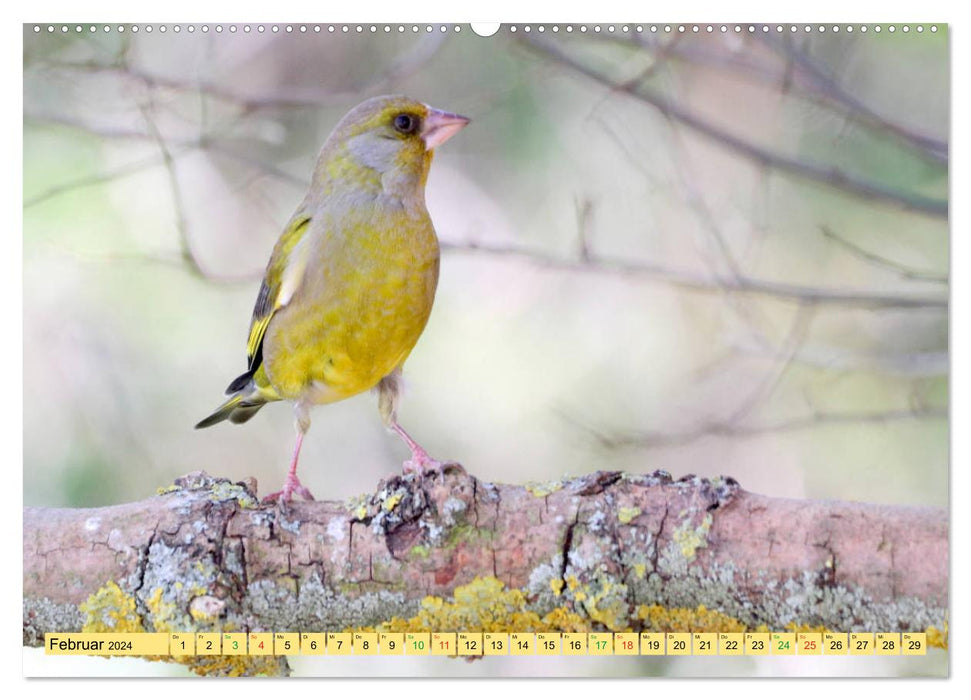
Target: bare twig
790	346
189	255
815	420
706	284
826	175
880	261
92	180
824	85
408	63
797	70
904	364
584	208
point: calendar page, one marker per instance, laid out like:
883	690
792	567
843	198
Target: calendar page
486	350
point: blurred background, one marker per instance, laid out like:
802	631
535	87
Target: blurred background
709	253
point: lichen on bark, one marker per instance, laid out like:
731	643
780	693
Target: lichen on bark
606	551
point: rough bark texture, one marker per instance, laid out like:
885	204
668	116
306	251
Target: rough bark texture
602	551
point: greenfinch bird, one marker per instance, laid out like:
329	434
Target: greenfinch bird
351	281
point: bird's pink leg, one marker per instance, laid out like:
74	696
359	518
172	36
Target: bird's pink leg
292	485
388	391
420	462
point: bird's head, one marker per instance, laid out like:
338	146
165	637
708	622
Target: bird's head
386	141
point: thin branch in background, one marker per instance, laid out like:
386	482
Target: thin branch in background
177	148
748	314
880	261
731	424
903	364
405	65
189	255
813	84
624	149
794	339
679	278
92	180
825	85
265	168
169	154
761	197
815	420
701	283
166	259
111	132
691	280
659	60
827	175
695	202
584	209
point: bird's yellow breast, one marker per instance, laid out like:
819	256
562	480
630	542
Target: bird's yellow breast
364	299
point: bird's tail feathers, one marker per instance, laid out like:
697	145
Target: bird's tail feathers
239	408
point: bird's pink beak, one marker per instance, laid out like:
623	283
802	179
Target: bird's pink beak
440	127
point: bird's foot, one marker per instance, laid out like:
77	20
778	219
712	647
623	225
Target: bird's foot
290	487
420	463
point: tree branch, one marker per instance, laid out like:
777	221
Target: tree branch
716	284
830	176
403	66
604	551
880	261
731	429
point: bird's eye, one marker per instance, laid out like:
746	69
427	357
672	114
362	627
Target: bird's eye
405	123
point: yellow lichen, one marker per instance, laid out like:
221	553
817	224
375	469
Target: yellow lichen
228	491
605	603
640	570
937	638
691	539
235	666
110	609
556	585
541	490
199	615
625	515
484	605
562	619
219	490
657	618
163	612
391	501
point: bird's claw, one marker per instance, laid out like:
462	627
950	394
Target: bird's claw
421	464
290	487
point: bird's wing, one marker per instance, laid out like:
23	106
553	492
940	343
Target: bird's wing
284	274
